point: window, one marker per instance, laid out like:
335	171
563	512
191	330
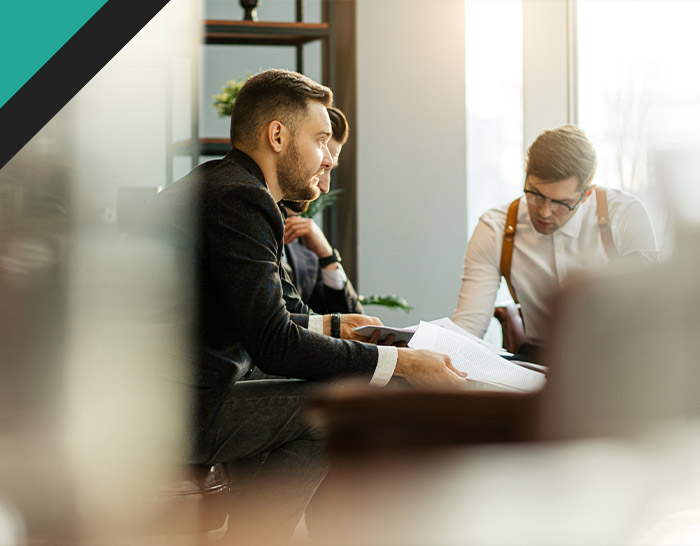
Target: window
494	89
638	88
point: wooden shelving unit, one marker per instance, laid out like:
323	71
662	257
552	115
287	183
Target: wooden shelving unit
207	146
221	32
251	33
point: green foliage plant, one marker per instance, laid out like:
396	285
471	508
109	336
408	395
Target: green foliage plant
392	301
223	102
324	201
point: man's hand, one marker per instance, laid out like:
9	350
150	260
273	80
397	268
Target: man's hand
350	321
310	234
423	368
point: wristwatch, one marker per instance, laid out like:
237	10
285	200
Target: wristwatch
332	259
335	325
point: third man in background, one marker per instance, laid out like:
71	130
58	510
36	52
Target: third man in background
552	233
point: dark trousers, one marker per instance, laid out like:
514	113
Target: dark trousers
262	420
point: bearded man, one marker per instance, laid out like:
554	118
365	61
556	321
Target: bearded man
232	245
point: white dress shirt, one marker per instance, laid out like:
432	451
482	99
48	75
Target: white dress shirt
334	278
542	264
386	358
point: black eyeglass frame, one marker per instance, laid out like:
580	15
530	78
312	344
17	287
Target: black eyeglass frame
555	201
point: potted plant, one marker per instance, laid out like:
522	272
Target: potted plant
223	102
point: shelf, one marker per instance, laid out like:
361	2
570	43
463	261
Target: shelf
217	31
207	146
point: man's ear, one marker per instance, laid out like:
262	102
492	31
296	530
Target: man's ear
276	136
589	191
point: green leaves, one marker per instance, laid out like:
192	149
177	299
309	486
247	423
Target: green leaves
391	301
223	102
325	200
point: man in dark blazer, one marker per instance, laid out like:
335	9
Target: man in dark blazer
223	223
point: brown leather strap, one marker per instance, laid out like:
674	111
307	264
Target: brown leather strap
601	199
508	241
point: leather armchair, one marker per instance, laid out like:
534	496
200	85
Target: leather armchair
512	325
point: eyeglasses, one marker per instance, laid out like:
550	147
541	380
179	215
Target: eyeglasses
558	207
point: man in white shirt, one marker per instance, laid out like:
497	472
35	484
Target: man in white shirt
556	233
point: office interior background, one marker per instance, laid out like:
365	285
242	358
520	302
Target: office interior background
449	95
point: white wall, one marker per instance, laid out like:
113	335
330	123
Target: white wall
411	154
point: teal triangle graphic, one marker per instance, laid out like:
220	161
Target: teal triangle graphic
31	31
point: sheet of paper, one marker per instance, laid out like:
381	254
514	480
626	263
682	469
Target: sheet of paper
405	334
480	363
449	325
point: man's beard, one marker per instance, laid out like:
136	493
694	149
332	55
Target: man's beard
299	207
295	181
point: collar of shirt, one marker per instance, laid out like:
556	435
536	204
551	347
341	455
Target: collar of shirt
573	227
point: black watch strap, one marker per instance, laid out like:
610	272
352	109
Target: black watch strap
328	260
335	325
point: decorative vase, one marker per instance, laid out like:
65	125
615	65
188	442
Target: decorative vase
251	9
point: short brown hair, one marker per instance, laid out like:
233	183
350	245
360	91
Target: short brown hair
272	95
339	124
561	153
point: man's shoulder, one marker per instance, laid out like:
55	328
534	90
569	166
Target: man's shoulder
620	201
495	217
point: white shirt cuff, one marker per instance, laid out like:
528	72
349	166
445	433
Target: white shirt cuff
334	278
386	364
316	323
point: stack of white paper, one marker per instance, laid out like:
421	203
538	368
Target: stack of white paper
479	362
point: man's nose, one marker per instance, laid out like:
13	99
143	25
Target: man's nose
327	162
546	208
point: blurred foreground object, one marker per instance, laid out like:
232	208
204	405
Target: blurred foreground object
440	468
89	427
607	453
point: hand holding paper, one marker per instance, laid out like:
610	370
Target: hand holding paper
425	368
480	363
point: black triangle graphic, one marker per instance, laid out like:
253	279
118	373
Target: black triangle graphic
70	68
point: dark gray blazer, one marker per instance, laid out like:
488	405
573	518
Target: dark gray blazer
227	232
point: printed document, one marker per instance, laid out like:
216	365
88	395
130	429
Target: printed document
405	334
480	363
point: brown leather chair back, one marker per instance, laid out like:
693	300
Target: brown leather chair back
512	325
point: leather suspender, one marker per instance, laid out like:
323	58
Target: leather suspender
512	223
508	242
601	201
